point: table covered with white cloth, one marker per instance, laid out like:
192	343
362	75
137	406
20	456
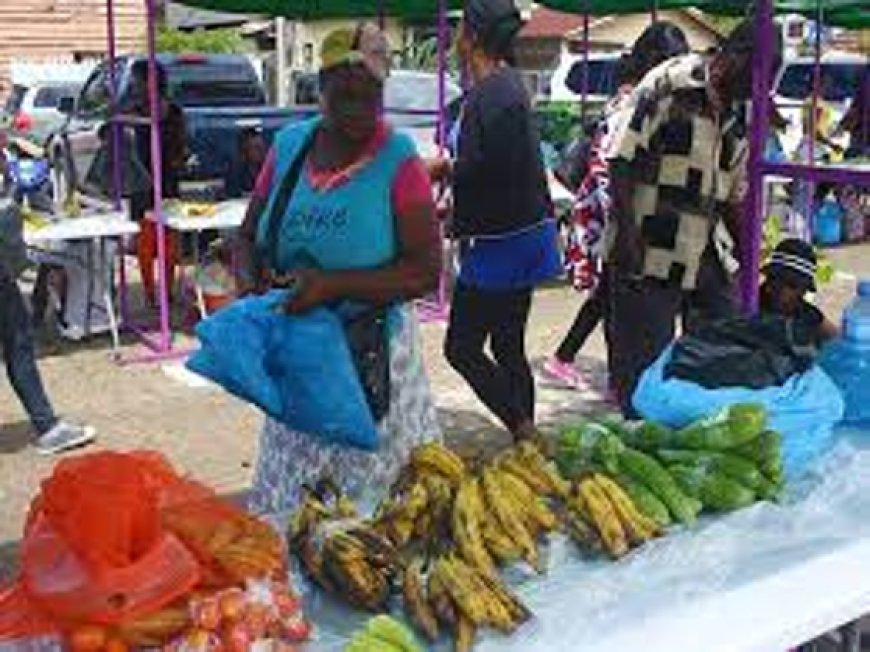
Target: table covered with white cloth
765	579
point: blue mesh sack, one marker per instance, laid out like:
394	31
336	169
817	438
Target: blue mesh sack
297	369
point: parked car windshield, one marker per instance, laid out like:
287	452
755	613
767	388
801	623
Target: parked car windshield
49	97
205	82
417	92
839	81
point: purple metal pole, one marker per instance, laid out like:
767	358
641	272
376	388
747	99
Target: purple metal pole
584	83
654	11
115	135
443	44
754	208
157	178
382	13
814	107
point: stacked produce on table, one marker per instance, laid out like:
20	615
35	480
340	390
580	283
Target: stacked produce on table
160	562
243	601
441	536
722	463
447	528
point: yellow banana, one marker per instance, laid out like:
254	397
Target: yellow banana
437	458
499	544
466	519
638	526
465	634
418	608
462	591
532	457
605	518
541	516
509	518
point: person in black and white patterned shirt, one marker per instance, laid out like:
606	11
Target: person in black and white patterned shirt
677	169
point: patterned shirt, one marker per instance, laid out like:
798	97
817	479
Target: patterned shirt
686	158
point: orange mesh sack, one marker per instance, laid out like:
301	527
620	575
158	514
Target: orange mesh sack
115	538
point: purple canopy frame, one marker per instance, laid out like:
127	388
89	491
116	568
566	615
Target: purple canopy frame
758	168
437	308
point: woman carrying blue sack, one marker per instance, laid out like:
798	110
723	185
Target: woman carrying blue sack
343	212
503	217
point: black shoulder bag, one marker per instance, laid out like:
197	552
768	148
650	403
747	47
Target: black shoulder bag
366	332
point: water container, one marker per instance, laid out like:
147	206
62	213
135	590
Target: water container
829	223
847	360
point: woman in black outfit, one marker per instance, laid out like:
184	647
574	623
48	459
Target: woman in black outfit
502	215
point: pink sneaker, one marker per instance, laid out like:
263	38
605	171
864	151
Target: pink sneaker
565	373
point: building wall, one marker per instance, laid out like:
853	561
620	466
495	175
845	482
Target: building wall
620	32
63	31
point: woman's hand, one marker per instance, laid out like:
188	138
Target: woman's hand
311	289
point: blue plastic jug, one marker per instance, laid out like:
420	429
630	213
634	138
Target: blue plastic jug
847	360
829	223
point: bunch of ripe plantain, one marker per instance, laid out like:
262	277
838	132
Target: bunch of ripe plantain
342	553
601	517
448	594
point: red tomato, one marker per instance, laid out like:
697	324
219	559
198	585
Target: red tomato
257	619
237	639
88	638
298	630
287	605
232	605
207	614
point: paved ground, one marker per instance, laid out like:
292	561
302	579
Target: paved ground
214	437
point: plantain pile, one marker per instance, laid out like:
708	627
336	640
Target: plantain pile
603	518
725	462
341	552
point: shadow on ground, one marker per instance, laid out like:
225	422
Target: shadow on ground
15	437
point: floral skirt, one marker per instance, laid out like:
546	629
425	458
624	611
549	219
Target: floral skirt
289	459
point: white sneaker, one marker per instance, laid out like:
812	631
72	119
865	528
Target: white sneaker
64	437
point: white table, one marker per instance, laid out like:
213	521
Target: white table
227	216
95	230
766	579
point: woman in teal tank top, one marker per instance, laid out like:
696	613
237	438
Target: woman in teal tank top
359	225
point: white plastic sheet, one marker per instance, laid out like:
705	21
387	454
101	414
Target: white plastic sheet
580	604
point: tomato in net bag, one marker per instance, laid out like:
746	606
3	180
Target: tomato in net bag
120	539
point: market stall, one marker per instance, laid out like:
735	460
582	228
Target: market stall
600	571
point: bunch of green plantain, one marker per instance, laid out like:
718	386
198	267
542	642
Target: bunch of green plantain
383	634
602	518
345	555
449	595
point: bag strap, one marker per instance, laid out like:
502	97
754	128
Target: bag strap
279	207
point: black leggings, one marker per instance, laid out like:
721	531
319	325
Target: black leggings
504	381
591	313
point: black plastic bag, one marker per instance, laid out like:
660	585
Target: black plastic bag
750	352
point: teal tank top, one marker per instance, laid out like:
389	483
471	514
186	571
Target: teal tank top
351	226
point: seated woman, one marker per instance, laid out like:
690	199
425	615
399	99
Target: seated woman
358	223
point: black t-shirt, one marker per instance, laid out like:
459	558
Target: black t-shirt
500	183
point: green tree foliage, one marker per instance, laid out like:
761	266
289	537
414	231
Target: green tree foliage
215	41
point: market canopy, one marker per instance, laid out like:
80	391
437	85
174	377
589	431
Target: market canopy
844	13
323	9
